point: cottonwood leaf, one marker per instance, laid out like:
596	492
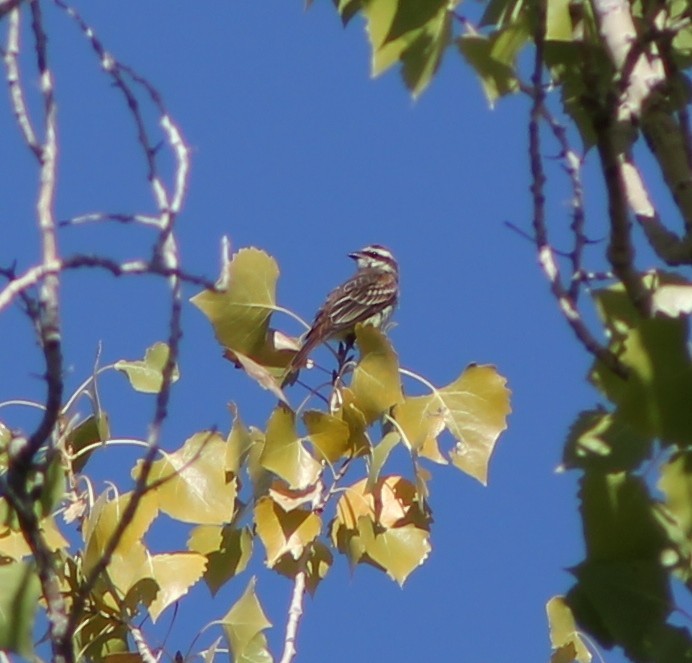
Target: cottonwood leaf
14	545
473	408
19	600
376	385
194	487
398	550
243	625
240	312
105	517
147	375
92	430
284	532
564	632
319	561
380	453
284	452
174	573
654	399
227	549
329	435
392	508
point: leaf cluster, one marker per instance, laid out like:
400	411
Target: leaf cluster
308	486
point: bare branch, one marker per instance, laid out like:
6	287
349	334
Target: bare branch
19	108
295	610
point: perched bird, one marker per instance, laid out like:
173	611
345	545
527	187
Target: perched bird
369	297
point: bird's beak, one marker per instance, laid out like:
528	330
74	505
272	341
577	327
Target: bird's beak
355	255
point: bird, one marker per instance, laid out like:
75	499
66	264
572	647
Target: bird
369	297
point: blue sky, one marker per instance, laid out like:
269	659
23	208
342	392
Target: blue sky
296	150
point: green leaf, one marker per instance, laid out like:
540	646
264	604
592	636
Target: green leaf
618	516
493	59
19	593
654	399
147	375
89	432
376	385
601	440
227	549
631	601
284	452
244	625
411	32
194	487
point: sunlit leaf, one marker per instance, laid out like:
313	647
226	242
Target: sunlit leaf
493	59
473	408
244	625
398	550
376	385
411	32
240	314
386	526
103	520
174	573
284	452
20	591
147	375
238	444
564	631
329	434
284	532
14	545
194	487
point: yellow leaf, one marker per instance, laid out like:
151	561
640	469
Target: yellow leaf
243	625
398	550
284	532
228	551
564	635
103	520
240	314
330	435
376	385
473	408
387	526
284	453
174	573
195	488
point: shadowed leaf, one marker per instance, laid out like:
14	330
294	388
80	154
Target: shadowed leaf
228	551
329	435
564	633
284	532
316	566
20	591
